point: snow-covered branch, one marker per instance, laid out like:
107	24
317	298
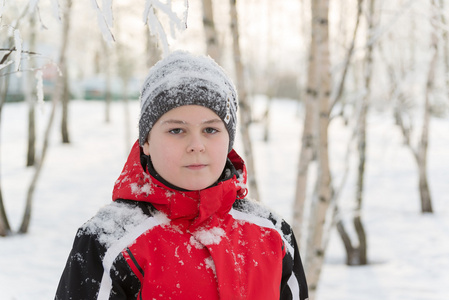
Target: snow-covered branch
105	19
154	24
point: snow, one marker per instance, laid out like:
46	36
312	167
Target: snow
155	25
408	251
210	236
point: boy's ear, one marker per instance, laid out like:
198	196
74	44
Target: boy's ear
146	148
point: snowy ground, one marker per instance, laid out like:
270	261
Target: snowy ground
408	251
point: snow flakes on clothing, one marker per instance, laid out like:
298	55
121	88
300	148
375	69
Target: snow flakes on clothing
210	236
113	221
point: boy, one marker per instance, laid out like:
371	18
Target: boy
179	226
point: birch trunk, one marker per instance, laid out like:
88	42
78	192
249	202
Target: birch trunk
65	95
307	140
244	106
59	89
5	228
65	110
421	154
445	37
4	224
107	91
349	54
153	52
213	47
357	255
30	94
320	203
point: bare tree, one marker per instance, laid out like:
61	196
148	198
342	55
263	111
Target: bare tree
356	253
58	94
5	228
420	150
244	105
315	249
30	95
213	46
65	96
125	68
445	37
340	87
308	137
106	63
153	52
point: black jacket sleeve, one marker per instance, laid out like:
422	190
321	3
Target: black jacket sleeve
81	278
293	266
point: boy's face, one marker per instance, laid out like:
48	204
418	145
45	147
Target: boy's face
188	146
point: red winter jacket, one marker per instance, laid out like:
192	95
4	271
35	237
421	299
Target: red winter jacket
158	242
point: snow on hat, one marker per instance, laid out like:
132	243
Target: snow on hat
184	79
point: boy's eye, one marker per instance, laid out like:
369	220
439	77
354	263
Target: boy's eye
176	131
210	130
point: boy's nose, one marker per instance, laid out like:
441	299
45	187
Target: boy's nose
196	145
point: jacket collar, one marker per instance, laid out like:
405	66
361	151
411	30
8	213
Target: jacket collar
134	183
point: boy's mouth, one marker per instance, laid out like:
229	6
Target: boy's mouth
196	166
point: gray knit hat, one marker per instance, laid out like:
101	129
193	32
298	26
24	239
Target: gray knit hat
184	79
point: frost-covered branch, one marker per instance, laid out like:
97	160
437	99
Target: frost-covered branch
150	18
105	19
154	24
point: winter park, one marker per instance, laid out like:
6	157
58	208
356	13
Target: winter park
343	117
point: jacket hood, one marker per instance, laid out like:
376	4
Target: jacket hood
135	183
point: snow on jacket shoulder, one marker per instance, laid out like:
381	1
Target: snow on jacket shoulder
155	242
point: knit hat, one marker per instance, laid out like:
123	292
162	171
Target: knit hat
184	79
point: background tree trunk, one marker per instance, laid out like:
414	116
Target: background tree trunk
108	74
153	52
66	88
244	105
58	94
349	54
212	44
307	140
5	228
421	155
320	203
357	255
30	95
445	37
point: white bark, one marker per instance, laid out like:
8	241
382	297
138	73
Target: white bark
244	105
320	203
213	47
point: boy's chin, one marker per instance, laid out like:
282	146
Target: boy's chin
195	186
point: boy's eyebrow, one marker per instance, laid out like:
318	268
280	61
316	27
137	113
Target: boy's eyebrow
212	121
172	121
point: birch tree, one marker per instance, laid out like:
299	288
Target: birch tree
315	249
308	135
57	96
420	150
445	39
356	252
30	95
10	63
106	63
244	105
65	95
212	44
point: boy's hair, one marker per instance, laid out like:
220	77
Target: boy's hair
184	79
